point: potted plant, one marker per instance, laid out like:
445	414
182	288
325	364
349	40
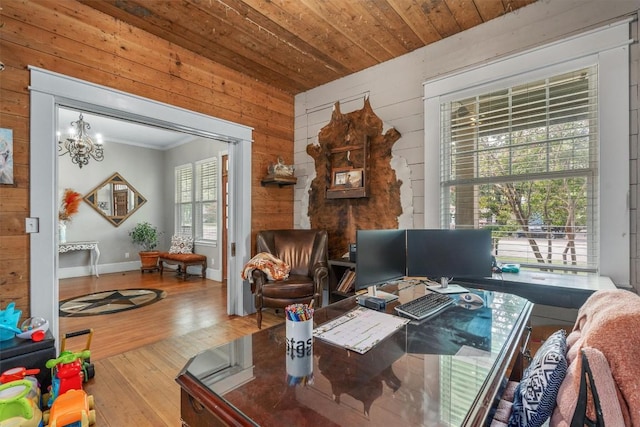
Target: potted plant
145	236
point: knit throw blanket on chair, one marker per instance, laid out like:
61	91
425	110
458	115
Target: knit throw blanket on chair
608	328
273	267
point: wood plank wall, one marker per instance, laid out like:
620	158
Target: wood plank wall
76	40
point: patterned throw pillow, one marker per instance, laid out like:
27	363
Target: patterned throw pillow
535	397
181	245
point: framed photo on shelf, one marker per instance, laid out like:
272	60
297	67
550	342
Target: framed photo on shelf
345	178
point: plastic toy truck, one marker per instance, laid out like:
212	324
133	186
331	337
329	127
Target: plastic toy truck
71	409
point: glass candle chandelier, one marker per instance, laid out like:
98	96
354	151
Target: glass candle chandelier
79	144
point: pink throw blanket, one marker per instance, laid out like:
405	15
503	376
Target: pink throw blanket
608	329
273	267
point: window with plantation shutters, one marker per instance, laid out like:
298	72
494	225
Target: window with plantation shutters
184	200
206	200
523	161
196	194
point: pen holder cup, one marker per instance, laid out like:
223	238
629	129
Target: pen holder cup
299	336
299	348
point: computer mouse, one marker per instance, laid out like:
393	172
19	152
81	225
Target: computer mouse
472	298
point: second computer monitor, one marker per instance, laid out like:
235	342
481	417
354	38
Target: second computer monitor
449	253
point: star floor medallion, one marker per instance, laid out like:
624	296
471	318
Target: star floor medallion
107	302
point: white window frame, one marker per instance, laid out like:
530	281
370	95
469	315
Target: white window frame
199	202
178	170
607	48
196	202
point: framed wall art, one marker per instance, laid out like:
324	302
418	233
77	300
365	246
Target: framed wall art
6	156
343	178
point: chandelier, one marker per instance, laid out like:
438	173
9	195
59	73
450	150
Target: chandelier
79	144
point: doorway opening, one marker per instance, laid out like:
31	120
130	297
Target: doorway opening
48	90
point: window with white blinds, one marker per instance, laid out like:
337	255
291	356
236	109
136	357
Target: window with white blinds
523	161
196	200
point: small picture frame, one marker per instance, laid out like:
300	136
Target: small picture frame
345	178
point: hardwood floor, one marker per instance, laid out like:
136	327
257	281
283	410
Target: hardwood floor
189	305
138	353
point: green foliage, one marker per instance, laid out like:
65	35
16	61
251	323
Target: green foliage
145	235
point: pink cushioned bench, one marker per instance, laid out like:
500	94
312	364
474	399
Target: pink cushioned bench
183	261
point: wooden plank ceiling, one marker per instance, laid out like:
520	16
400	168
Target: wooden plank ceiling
297	45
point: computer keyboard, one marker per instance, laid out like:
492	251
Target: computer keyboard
425	306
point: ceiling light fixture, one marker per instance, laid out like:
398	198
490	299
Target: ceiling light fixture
79	144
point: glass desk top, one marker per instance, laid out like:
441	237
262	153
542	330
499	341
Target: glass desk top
443	371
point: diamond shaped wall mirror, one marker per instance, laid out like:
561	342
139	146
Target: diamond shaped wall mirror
115	199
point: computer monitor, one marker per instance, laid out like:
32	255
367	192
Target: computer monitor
381	257
445	254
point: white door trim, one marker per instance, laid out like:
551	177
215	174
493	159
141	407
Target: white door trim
48	90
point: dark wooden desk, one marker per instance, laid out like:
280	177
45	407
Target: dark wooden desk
444	371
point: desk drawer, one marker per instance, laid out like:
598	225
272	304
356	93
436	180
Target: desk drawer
194	414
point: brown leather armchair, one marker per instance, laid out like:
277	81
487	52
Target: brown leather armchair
306	251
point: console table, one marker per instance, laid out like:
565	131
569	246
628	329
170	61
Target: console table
447	370
91	246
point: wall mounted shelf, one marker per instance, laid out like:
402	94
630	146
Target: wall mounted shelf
280	181
348	171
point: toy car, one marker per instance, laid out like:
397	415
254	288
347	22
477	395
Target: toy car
74	408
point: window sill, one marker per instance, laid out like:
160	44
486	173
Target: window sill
559	290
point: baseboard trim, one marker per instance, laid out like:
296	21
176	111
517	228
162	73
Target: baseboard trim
86	270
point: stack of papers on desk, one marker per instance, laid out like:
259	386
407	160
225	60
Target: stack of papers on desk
360	329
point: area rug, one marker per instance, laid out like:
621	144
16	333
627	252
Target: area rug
107	302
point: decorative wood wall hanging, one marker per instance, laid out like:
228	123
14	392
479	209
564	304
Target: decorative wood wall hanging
355	186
